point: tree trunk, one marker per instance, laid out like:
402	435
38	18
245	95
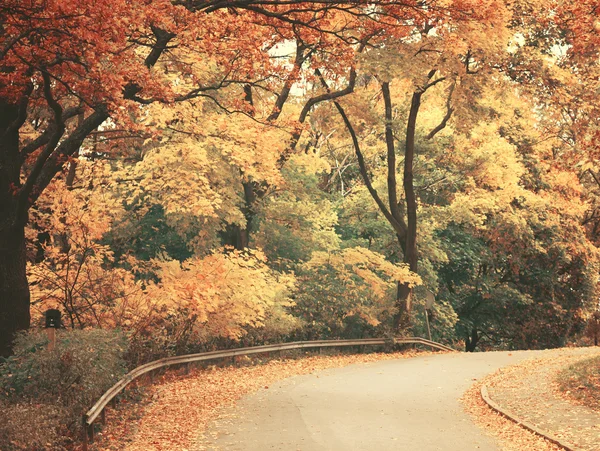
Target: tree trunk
235	235
250	194
471	341
14	289
402	321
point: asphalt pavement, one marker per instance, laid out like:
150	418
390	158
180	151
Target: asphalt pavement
408	404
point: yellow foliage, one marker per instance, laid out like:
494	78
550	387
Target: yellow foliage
368	265
222	293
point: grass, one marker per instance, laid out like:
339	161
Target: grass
581	382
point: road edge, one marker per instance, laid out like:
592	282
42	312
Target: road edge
519	421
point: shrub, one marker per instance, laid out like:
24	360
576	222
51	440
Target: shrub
55	388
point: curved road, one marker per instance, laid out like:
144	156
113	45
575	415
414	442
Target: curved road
408	404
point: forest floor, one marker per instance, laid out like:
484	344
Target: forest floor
179	412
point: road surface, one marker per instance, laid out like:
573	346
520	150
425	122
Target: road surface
408	404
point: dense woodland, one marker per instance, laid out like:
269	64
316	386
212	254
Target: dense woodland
185	175
202	174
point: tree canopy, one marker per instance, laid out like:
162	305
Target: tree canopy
203	173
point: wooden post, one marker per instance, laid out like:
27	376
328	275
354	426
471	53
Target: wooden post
103	417
52	322
51	332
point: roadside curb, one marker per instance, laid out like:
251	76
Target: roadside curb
511	416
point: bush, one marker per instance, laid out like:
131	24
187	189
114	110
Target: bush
55	388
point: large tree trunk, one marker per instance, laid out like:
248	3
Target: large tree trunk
14	289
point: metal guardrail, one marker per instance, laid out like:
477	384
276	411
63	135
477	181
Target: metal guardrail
98	409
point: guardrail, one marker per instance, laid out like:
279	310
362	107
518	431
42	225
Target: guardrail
98	409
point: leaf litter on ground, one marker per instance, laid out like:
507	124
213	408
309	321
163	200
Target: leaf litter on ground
528	389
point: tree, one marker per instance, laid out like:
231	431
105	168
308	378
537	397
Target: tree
63	70
432	55
520	270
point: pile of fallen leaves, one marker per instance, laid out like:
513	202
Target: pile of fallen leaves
580	382
178	408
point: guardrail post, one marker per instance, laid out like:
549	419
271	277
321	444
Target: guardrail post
88	433
103	417
85	433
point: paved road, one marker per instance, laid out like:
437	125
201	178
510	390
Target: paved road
410	404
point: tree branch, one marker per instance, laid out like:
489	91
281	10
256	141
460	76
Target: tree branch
391	152
58	129
301	57
398	225
329	95
447	116
45	136
54	162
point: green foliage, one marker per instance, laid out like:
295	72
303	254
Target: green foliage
298	221
361	224
147	236
59	385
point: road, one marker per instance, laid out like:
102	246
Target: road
409	404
